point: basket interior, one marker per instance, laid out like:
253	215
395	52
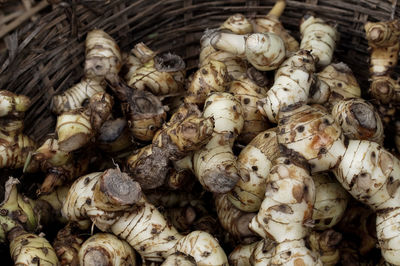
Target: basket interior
45	57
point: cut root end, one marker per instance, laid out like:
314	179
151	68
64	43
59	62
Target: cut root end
119	188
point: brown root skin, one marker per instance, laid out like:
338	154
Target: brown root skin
374	181
149	166
169	63
261	253
144	111
360	221
67	245
182	137
115	190
16	211
130	63
326	245
114	136
13	155
100	106
50	155
29	249
48	207
240	256
185	132
143	52
51	181
288	92
294	252
383	34
259	78
182	180
59	175
197	244
14	145
215	164
169	199
181	218
385	89
235	65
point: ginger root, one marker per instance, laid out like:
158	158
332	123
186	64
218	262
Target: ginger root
31	249
106	249
14	145
271	23
383	40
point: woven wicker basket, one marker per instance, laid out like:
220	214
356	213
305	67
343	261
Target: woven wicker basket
44	45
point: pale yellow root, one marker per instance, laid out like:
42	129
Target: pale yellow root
74	130
117	205
238	24
286	212
235	221
74	97
270	23
314	134
326	245
320	38
254	163
240	256
359	120
31	249
102	56
291	87
278	8
12	104
14	145
209	78
106	249
334	83
383	39
330	201
162	75
215	164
